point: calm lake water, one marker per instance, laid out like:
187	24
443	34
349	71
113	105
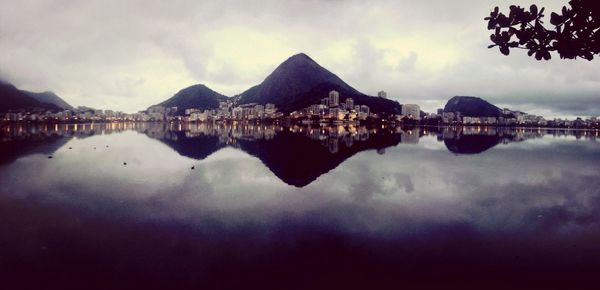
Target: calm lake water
144	206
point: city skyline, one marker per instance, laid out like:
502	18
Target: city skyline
113	61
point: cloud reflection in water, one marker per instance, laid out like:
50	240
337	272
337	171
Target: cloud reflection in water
512	207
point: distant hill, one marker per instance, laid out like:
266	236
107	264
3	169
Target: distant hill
472	107
85	109
299	82
12	98
50	98
196	96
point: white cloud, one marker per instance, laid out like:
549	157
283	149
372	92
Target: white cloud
93	52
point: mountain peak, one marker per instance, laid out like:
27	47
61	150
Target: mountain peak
198	89
50	97
196	96
472	107
300	57
198	86
300	82
300	61
12	98
464	98
49	93
292	81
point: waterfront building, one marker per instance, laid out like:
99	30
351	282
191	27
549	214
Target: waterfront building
334	99
259	111
314	110
223	106
237	113
412	111
270	110
363	112
337	113
349	103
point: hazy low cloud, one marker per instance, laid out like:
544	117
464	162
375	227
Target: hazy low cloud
96	52
407	64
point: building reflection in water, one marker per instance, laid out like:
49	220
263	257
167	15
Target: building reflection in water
298	155
530	212
327	135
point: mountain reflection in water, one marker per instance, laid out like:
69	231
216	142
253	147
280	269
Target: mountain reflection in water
119	207
297	155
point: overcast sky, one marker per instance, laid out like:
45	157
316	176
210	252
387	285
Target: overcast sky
128	55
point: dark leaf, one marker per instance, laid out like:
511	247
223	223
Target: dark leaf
555	19
494	13
513	12
502	20
531	45
529	17
546	55
534	10
539	55
574	33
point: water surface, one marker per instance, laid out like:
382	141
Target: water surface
168	206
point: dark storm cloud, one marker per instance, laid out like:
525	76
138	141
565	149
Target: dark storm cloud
582	104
